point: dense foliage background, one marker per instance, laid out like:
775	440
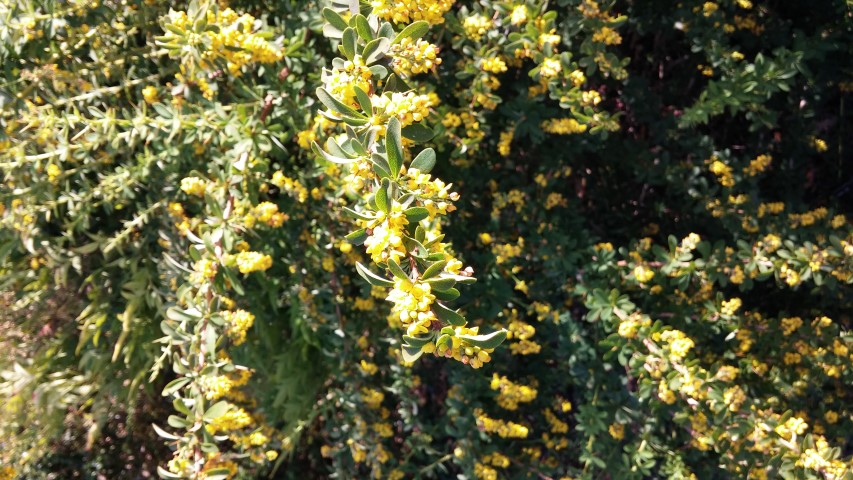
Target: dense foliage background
654	199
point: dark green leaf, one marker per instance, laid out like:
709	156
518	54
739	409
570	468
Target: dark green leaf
447	315
371	277
394	146
424	161
488	341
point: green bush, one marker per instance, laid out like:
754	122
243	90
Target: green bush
206	207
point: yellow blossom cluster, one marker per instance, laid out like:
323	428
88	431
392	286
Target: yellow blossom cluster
722	171
385	240
267	212
234	418
149	94
518	15
563	126
555	424
758	165
510	394
679	344
248	262
617	431
507	251
607	36
503	428
412	302
194	186
550	67
629	327
643	274
290	185
238	323
493	65
791	325
233	43
408	107
476	26
205	269
372	398
505	142
414	57
408	11
341	82
521	332
729	307
215	387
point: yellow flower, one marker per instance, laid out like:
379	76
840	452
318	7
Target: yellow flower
238	323
729	307
607	36
53	173
248	262
518	15
149	94
476	26
758	165
493	65
194	186
617	431
550	67
643	274
504	142
563	126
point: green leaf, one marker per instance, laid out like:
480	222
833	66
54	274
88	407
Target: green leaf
178	315
354	121
335	105
357	215
375	50
425	161
363	99
175	421
410	354
487	341
371	277
357	237
209	448
448	295
217	474
380	166
418	342
216	410
397	270
348	43
394	146
174	386
433	270
328	156
447	315
416	214
334	19
441	283
418	133
162	433
362	27
165	473
413	30
383	202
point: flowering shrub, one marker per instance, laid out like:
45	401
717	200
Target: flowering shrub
252	230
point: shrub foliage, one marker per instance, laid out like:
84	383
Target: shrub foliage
426	239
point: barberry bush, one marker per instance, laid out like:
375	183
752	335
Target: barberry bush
426	239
